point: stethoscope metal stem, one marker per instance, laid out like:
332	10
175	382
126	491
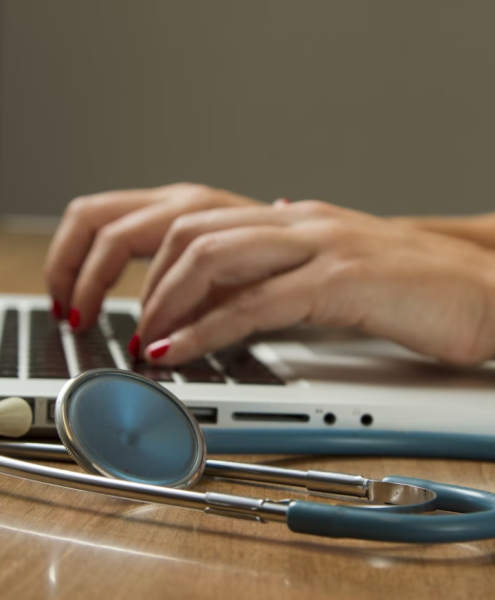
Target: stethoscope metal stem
409	498
316	481
210	502
477	522
35	451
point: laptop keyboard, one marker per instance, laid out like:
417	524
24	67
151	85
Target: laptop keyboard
47	357
9	347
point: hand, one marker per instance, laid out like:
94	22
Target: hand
99	234
315	263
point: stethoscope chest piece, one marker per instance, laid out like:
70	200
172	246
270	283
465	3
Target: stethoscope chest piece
129	427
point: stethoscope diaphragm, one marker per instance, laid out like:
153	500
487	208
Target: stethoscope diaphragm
121	425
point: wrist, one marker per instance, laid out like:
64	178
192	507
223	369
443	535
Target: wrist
479	229
476	339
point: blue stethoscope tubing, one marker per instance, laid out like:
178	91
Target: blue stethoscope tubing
476	521
343	442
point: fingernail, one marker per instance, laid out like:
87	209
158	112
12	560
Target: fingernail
56	310
74	318
158	349
281	202
134	346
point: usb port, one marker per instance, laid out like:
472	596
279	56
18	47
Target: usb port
207	416
50	410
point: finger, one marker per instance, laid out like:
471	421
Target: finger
135	235
73	239
228	258
185	230
279	302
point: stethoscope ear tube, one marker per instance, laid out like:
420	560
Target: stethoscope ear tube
358	523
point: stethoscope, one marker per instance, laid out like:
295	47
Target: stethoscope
136	440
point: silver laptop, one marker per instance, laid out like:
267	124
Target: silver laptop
267	394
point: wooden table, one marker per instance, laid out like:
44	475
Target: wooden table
65	544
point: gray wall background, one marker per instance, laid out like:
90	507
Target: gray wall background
386	106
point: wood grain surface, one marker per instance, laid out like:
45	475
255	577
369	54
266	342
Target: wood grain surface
58	543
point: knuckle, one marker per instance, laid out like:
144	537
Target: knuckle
200	188
181	185
204	249
84	207
340	232
79	207
172	188
315	208
196	190
108	236
330	233
182	231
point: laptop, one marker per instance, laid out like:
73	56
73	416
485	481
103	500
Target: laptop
290	391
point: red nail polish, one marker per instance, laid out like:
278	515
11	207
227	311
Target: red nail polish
158	349
281	202
56	310
74	318
134	346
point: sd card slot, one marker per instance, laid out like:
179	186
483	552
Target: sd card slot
271	417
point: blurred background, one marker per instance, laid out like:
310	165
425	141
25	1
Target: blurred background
383	106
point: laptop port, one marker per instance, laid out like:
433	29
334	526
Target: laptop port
366	420
330	419
271	417
204	416
50	411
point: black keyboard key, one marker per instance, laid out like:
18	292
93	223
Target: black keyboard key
8	372
152	371
46	351
9	346
123	327
241	366
92	351
200	371
48	374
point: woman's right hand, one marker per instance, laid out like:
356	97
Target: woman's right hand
320	264
99	234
